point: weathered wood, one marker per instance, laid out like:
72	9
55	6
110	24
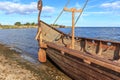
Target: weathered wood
73	31
104	44
99	48
42	55
39	6
72	61
117	52
83	45
43	45
47	33
48	27
87	61
94	59
112	49
96	40
70	71
78	68
72	10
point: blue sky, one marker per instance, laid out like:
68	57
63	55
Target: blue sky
103	13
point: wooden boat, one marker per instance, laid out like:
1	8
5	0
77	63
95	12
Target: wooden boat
80	58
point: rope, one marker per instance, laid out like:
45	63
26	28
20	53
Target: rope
61	12
81	12
58	18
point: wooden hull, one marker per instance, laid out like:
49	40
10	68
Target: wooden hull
77	69
91	59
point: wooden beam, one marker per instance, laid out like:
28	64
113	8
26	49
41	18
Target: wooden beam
117	52
72	10
99	50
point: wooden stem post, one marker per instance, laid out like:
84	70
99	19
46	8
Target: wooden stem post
73	10
41	52
42	55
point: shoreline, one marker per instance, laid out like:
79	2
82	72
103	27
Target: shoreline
17	27
13	66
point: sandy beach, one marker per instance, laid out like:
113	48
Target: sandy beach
14	67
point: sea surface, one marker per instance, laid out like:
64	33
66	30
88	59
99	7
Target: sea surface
104	33
23	40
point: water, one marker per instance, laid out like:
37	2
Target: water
23	39
104	33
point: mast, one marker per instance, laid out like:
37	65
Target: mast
73	10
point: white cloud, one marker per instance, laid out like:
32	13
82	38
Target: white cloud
96	13
48	9
102	13
12	7
113	5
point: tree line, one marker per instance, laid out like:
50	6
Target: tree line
26	24
20	24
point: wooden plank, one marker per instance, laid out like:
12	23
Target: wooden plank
70	71
94	59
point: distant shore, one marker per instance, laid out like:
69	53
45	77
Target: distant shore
14	67
27	26
16	27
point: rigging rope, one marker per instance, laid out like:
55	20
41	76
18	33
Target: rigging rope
59	16
81	12
61	11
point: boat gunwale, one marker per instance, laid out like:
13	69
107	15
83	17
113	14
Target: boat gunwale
84	38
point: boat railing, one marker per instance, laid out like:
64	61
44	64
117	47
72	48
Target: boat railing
106	48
